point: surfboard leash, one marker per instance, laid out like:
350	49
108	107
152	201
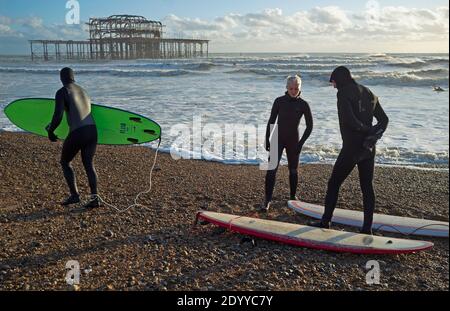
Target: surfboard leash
119	210
412	232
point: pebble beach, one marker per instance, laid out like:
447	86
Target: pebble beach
156	246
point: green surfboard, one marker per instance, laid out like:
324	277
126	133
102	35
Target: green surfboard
114	126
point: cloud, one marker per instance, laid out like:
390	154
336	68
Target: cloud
32	22
5	20
5	27
330	16
5	30
35	28
386	26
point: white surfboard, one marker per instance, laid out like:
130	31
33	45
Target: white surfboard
404	225
299	235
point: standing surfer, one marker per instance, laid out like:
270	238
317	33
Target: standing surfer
74	100
289	109
357	106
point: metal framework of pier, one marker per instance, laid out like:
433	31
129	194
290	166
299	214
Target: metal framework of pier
120	37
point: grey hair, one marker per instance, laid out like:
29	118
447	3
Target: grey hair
292	79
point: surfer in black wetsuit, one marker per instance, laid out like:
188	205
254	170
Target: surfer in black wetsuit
74	100
289	109
438	89
357	106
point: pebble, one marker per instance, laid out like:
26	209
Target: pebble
5	267
108	234
132	281
87	270
35	244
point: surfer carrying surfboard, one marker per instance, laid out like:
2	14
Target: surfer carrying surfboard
74	100
289	109
357	106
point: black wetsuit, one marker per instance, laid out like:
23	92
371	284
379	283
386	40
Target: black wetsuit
83	133
356	108
289	111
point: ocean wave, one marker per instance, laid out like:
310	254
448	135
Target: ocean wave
166	66
379	55
263	72
326	67
328	155
332	61
391	155
430	73
284	72
28	70
416	63
112	72
439	61
385	155
400	79
413	78
327	61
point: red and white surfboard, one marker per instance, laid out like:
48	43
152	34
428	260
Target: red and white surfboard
299	235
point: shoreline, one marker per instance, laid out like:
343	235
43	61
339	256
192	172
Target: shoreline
156	248
420	166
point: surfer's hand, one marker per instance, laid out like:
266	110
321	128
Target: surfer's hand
370	142
53	138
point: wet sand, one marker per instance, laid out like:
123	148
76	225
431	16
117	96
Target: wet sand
157	248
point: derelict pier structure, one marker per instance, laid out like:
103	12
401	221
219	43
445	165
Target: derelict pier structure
120	37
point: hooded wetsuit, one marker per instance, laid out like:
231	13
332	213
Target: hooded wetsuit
74	100
357	106
289	111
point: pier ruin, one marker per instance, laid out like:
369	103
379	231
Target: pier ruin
120	37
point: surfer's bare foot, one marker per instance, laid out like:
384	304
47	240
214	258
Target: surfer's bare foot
73	199
319	224
94	202
265	206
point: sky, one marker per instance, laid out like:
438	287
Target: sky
384	26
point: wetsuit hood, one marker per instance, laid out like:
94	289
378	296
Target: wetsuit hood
342	76
67	76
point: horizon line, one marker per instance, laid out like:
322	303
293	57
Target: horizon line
328	53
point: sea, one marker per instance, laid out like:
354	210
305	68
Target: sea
239	89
